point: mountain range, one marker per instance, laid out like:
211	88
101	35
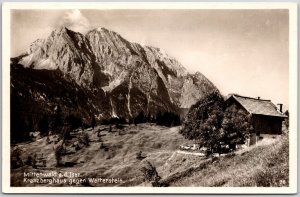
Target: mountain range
100	74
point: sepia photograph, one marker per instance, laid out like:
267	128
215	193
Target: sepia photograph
149	98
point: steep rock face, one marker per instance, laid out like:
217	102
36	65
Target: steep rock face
65	50
131	67
167	65
125	77
194	87
184	88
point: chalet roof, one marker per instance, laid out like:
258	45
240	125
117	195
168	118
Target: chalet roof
258	106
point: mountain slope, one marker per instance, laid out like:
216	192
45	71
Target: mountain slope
117	77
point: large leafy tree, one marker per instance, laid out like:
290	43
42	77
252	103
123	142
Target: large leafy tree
204	120
211	122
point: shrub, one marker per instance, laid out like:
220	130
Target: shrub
44	161
77	147
58	154
99	139
110	128
99	133
29	160
84	139
102	146
150	174
34	161
16	160
48	140
139	155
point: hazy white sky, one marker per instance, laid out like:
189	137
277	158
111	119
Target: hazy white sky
240	51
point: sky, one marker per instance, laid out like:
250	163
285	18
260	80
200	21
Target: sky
240	51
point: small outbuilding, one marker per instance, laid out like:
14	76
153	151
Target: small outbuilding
266	118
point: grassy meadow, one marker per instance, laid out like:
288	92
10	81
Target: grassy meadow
114	156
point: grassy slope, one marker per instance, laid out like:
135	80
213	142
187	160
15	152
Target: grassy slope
156	142
265	165
160	145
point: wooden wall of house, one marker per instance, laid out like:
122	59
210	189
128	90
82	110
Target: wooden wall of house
267	124
262	124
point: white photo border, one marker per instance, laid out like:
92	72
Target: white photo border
293	92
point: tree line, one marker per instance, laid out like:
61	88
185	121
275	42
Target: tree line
48	123
57	122
168	119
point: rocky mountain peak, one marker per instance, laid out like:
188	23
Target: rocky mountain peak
65	50
134	78
60	30
106	43
103	29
